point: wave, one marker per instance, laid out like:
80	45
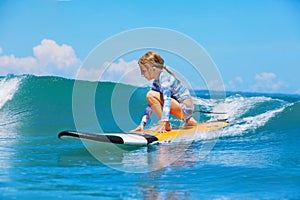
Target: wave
8	87
44	105
245	114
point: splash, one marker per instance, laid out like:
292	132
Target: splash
234	106
249	124
8	87
245	114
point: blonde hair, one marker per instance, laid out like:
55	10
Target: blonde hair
155	60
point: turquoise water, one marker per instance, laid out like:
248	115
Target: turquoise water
256	157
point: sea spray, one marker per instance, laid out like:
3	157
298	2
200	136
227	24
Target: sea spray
8	87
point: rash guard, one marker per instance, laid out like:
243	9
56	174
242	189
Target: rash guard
169	87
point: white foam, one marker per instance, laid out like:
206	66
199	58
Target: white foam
235	107
237	128
8	87
249	123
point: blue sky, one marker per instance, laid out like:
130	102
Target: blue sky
255	44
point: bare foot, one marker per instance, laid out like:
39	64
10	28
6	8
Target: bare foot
191	122
162	127
168	127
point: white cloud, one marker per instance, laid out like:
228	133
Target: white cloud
264	76
235	85
48	52
239	79
49	59
11	64
120	71
121	67
1	50
267	81
89	74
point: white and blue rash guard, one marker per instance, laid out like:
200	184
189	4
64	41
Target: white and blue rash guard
170	88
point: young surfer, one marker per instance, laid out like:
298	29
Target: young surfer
167	95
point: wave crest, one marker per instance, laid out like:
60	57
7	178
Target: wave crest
8	87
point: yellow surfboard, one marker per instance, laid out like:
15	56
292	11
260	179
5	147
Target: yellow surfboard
183	131
146	137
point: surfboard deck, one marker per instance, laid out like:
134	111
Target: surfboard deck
146	137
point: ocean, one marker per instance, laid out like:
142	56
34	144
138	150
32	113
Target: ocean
256	157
